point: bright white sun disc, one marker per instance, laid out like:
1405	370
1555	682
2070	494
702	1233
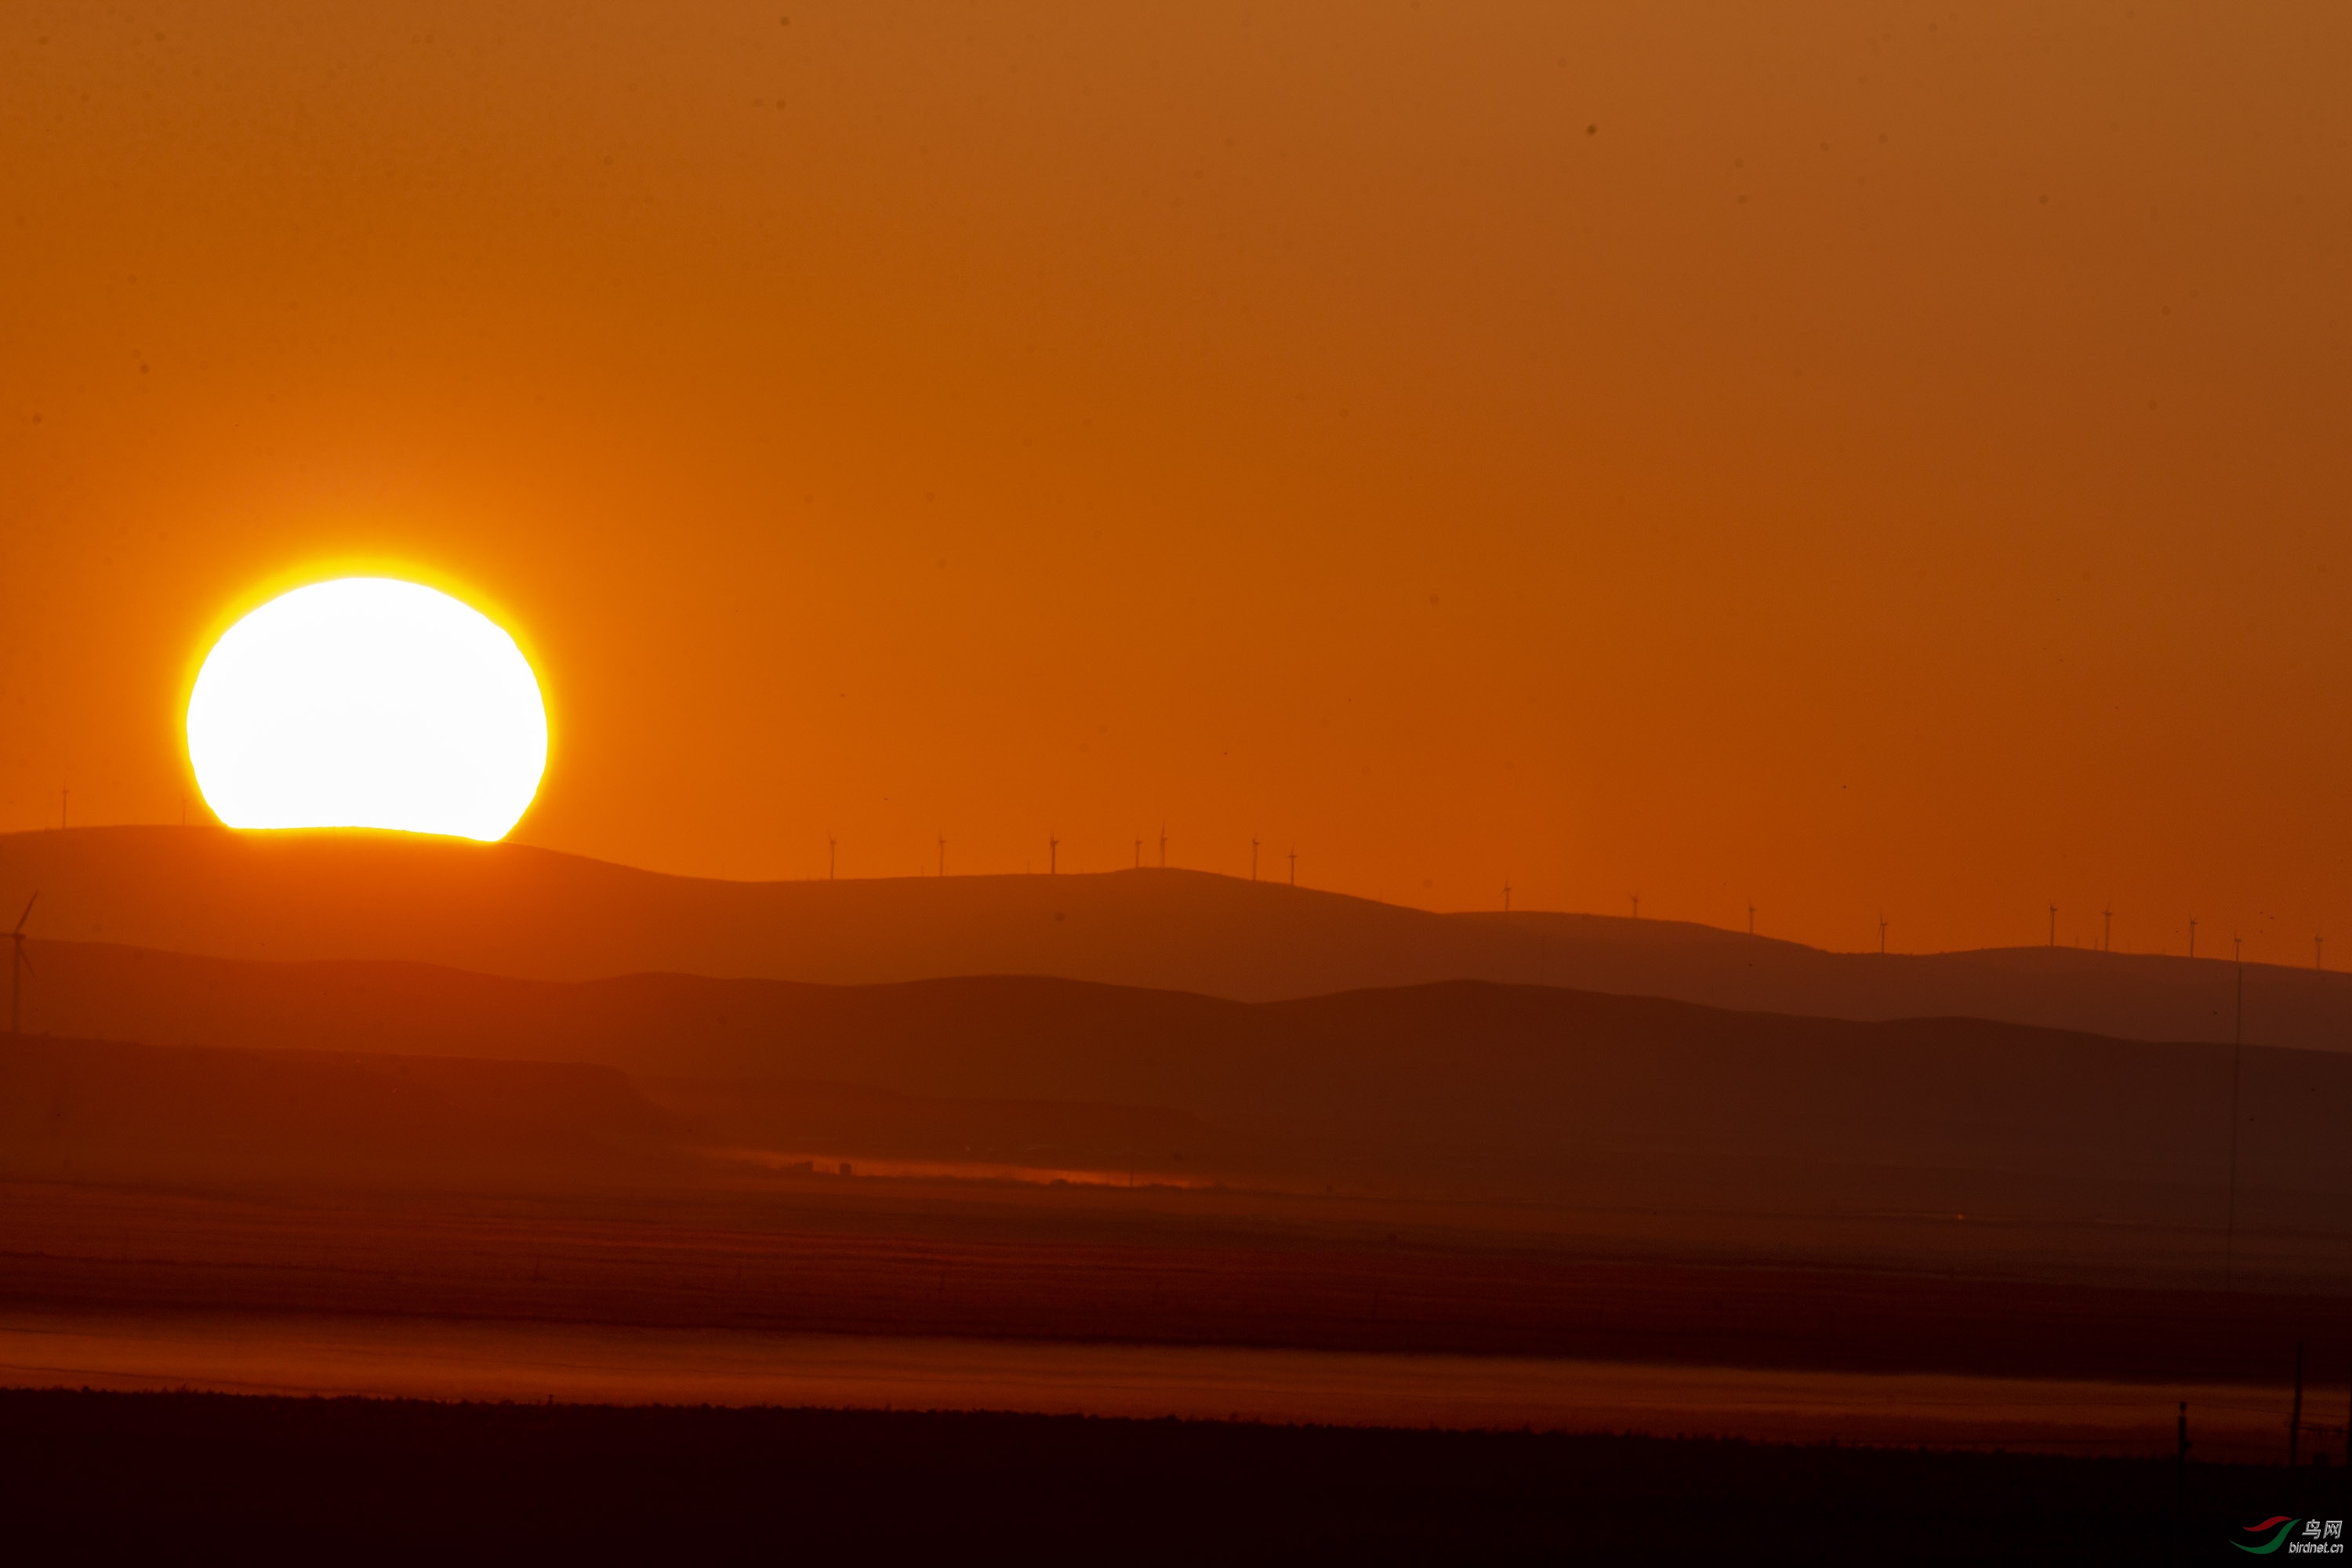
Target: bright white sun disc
368	702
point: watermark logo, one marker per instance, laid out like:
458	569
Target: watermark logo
2320	1537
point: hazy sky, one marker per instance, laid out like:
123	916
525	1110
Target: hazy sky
1851	458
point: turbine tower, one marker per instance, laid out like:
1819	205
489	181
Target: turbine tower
2107	930
2192	936
1138	851
1163	847
1053	856
2054	925
831	861
1253	856
1294	865
943	852
1882	936
16	968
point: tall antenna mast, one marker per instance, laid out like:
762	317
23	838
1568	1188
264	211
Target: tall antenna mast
2237	1054
1637	905
1294	865
1053	856
2192	936
2054	925
1138	851
1506	898
1253	856
2107	932
943	852
1751	919
16	967
831	863
1163	847
64	795
1882	936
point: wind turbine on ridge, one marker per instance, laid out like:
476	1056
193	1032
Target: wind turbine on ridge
16	968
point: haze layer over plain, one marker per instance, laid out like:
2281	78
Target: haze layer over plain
1862	458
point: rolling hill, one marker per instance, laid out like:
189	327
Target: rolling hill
1464	1089
535	914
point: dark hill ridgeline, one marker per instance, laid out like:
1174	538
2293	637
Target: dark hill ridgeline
1463	1088
537	914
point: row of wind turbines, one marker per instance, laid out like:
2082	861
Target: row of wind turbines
1054	857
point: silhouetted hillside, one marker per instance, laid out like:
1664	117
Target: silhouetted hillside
1461	1087
533	913
113	1110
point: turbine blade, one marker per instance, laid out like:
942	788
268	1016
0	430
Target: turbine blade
28	910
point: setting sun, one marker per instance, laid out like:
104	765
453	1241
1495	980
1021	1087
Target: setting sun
368	702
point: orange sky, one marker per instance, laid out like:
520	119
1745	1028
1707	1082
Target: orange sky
1855	457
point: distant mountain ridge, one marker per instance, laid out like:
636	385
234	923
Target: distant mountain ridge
533	913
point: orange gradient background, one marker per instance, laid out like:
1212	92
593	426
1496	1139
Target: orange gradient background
1854	458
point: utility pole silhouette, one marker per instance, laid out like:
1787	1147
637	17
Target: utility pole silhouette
1253	856
1053	856
2054	925
1163	847
831	862
2180	1470
2192	936
2237	1054
16	968
1294	865
2107	932
2294	1416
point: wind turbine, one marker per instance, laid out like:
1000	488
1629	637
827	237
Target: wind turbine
1294	865
943	852
831	861
1138	851
1163	847
1253	856
1053	856
16	968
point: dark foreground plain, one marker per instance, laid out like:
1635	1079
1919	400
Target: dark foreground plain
97	1475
